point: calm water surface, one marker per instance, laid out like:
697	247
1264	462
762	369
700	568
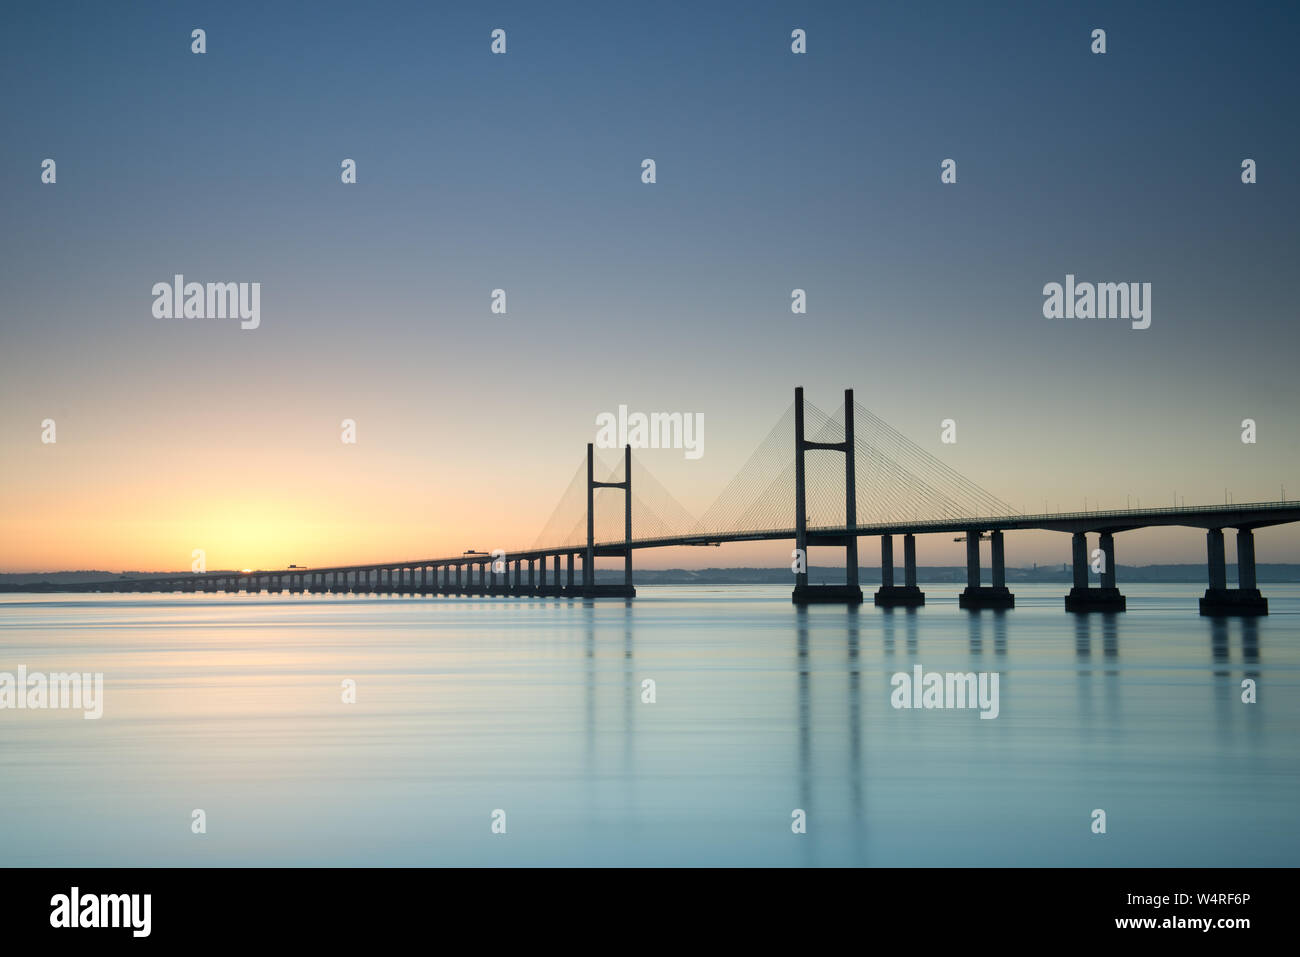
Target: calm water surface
233	705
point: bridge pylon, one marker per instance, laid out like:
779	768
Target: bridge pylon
589	587
850	593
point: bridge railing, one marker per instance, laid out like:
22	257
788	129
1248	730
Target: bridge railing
972	521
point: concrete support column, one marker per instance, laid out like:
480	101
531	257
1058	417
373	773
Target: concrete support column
570	569
973	558
909	561
1108	557
1218	566
1246	559
558	584
532	572
998	557
1079	559
887	561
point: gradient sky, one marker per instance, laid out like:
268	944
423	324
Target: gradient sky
522	171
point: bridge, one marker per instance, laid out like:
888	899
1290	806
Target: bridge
802	485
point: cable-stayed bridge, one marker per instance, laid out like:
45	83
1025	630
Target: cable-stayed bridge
820	480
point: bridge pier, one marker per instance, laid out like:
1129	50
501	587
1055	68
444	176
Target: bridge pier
589	587
890	595
569	589
1082	597
977	596
850	593
1244	600
557	581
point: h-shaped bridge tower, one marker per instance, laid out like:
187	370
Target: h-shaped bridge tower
589	587
849	592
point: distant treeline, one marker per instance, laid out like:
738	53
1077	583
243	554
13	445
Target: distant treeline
952	574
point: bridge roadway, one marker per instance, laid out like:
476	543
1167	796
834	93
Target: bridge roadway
455	574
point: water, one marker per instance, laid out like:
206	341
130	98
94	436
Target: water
233	705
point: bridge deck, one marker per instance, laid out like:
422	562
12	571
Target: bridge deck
1252	515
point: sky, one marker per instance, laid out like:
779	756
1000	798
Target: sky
523	172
